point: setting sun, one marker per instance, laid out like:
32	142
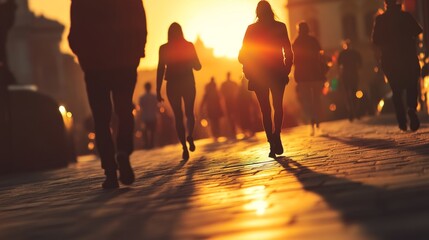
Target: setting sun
220	24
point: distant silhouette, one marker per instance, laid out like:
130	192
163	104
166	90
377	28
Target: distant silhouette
109	38
395	33
246	111
229	90
212	106
350	61
148	103
267	59
177	59
7	18
309	74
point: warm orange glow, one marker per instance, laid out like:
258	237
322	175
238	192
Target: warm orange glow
91	136
162	109
62	110
258	196
69	115
91	146
380	106
333	107
139	134
204	123
359	94
221	24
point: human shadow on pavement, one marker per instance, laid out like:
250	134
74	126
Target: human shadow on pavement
158	218
382	213
381	144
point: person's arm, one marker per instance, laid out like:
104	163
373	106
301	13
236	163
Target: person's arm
287	50
243	54
377	33
142	28
196	64
160	74
414	27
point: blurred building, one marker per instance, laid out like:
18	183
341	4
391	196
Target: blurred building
35	58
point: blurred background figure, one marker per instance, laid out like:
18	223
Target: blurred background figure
349	62
395	34
7	17
229	90
148	104
309	74
247	112
177	60
267	59
211	107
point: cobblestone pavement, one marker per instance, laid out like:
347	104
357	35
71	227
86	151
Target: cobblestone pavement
361	180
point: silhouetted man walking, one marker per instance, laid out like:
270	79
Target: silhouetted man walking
229	90
350	61
109	38
395	33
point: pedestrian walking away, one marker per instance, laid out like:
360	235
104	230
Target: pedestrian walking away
109	38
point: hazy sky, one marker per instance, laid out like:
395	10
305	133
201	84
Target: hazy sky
220	23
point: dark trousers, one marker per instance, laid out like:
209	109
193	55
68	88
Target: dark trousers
105	87
263	96
410	88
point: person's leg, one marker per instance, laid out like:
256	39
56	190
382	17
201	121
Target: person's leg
122	93
151	133
399	105
317	102
277	93
145	133
263	98
175	99
412	98
189	101
98	91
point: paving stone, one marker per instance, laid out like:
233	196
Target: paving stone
360	180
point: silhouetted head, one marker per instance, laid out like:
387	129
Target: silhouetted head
303	28
228	75
175	33
148	86
391	2
212	80
264	12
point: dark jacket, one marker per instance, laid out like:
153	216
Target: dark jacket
308	61
266	53
179	58
108	34
395	33
351	61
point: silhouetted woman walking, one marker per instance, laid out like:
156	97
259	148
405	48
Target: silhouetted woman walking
177	59
267	58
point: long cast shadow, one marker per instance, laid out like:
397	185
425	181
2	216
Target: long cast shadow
380	144
382	213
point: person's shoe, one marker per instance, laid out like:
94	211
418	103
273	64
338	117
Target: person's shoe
191	143
111	181
272	153
414	120
185	154
278	146
126	173
403	126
